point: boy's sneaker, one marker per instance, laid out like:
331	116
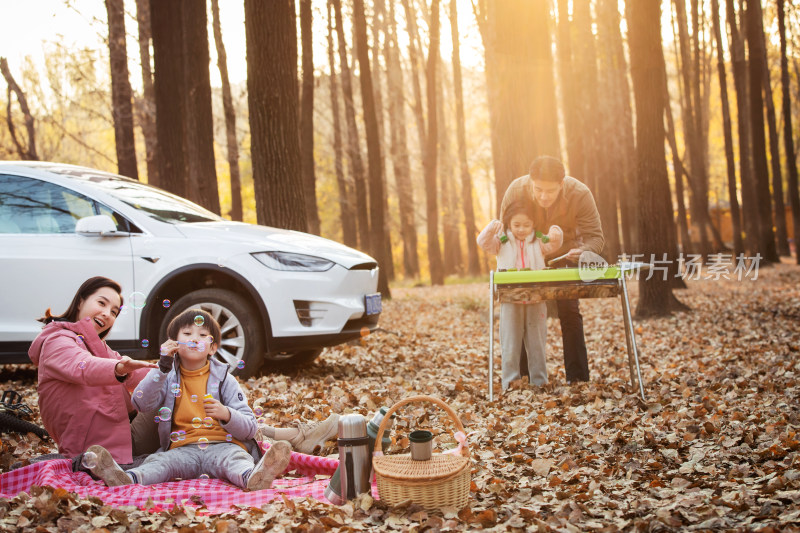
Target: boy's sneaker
311	437
107	468
272	464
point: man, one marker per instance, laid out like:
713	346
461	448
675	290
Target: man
564	201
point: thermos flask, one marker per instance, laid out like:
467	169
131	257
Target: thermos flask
333	490
355	460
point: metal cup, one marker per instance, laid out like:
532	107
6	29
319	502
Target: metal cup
421	444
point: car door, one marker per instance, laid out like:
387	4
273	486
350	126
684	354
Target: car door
43	261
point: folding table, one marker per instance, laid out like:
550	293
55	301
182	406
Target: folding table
567	284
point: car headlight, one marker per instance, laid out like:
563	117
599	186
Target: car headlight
293	262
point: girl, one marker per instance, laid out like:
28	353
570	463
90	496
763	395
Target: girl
85	386
521	322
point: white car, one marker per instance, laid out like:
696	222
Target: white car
280	296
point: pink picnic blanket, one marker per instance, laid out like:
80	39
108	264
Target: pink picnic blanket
217	496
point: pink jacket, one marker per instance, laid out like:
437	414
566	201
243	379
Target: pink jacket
81	402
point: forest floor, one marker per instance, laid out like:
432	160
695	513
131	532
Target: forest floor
714	447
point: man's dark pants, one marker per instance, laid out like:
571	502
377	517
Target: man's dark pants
576	363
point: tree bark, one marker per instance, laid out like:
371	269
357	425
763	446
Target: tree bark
347	214
446	174
272	95
414	53
201	168
755	44
28	151
431	152
738	243
169	88
146	106
230	117
788	140
353	143
567	89
374	158
399	148
473	266
307	119
121	93
655	209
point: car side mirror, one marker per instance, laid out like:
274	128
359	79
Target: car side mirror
97	226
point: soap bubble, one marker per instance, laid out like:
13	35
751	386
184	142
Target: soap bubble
240	364
157	419
208	422
203	479
145	343
81	338
229	437
174	436
138	393
202	443
175	389
165	413
137	300
163	351
194	398
156	377
182	434
82	365
258	411
197	422
89	460
201	346
166	304
199	320
210	339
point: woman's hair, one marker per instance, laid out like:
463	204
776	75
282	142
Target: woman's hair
87	288
520	205
190	317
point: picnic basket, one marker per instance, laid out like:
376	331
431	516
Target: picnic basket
442	481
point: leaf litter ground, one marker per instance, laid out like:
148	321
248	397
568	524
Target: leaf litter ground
715	447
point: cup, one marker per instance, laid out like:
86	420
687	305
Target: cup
421	445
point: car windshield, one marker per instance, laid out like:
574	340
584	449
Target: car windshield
158	204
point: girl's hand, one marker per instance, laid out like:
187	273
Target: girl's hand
126	365
216	410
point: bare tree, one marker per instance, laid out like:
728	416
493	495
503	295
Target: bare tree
788	140
27	152
230	116
121	93
272	95
307	119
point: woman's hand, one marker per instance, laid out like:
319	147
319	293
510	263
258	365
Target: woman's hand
126	365
216	410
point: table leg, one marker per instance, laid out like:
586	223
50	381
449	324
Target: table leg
491	332
631	337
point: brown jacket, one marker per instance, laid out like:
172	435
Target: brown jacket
574	211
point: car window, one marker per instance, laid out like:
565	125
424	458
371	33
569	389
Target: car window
120	222
33	206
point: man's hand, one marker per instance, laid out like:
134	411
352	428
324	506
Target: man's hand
216	410
574	255
126	365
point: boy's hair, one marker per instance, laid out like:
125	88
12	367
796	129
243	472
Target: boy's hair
547	168
522	205
189	318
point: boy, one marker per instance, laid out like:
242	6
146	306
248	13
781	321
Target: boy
205	425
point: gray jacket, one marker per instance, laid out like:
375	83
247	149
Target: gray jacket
155	393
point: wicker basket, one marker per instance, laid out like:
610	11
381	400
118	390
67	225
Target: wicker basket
443	481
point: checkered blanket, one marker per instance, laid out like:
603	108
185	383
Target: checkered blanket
304	479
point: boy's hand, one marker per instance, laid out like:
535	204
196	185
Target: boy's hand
216	410
168	350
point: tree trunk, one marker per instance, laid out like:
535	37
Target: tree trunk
624	153
473	265
347	214
788	140
567	88
750	218
353	143
146	106
414	53
121	94
446	174
738	244
431	152
28	151
271	34
655	209
230	117
309	178
375	159
755	44
169	88
399	149
201	169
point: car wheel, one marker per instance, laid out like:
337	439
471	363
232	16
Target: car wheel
284	360
242	336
